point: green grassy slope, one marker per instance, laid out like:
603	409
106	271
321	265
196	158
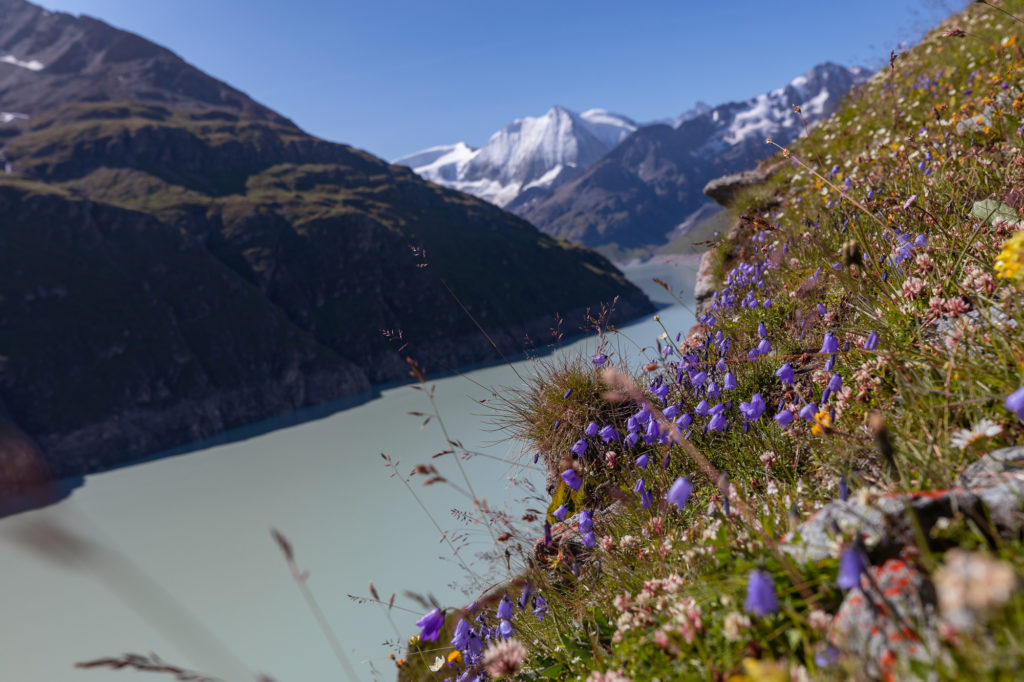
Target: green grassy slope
901	217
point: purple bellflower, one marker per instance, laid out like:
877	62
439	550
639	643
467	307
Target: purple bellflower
586	521
642	460
712	391
430	625
580	447
572	479
460	639
851	566
540	607
784	418
871	343
753	410
560	512
729	383
646	499
591	429
608	433
786	374
505	629
599	359
761	599
830	344
680	492
1015	402
505	608
524	598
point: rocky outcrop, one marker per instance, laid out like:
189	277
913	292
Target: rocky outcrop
725	188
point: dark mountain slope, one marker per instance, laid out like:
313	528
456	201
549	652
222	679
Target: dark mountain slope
176	259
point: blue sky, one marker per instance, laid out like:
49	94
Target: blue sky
393	77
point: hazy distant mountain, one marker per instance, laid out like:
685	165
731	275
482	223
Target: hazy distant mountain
527	155
177	259
636	191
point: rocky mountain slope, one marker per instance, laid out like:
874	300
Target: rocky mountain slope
177	259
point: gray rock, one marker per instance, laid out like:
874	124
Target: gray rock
888	621
704	288
990	491
724	189
998	479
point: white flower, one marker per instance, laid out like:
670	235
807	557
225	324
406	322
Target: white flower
971	583
986	428
438	662
734	623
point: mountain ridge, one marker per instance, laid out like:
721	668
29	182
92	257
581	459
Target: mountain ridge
177	259
663	165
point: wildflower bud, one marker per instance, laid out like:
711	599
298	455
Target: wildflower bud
851	253
876	422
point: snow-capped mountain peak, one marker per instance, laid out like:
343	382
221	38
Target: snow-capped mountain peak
527	160
531	152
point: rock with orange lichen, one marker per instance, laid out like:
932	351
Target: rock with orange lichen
888	621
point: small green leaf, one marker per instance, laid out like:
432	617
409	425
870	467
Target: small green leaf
990	209
555	672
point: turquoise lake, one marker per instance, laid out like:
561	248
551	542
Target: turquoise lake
176	556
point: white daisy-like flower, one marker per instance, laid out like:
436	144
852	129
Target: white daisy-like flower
986	428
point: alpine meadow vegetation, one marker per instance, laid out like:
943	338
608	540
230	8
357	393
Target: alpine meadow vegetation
802	485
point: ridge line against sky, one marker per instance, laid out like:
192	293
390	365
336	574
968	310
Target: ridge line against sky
395	77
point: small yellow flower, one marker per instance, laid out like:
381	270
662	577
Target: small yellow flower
761	671
1010	263
823	422
455	656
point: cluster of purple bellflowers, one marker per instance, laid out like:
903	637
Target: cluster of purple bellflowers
472	635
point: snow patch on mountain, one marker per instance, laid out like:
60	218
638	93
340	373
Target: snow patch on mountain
772	114
8	116
608	127
31	65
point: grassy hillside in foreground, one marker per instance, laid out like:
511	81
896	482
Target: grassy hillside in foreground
781	493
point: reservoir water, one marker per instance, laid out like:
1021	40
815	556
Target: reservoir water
174	555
